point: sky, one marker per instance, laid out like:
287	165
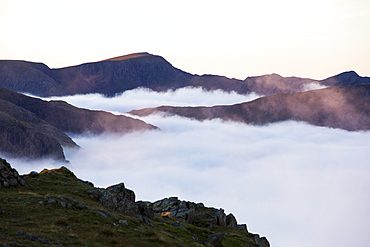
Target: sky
235	38
296	184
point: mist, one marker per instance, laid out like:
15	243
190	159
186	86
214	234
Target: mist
143	98
296	184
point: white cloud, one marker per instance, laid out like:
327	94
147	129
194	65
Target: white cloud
299	185
313	86
144	98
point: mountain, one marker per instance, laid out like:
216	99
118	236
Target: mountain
346	107
22	134
35	128
349	78
55	208
116	75
107	77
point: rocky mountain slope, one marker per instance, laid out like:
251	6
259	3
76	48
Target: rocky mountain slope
116	75
35	128
337	107
55	208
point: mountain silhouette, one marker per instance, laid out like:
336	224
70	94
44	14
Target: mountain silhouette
116	75
346	107
34	128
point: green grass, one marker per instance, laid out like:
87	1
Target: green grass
28	219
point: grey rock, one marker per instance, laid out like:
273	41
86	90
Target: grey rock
221	217
231	221
177	224
145	210
80	205
9	177
33	173
117	198
35	238
13	182
242	227
144	219
260	241
51	201
85	183
21	181
6	184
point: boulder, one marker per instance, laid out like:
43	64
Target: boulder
145	210
231	221
9	176
117	198
242	227
260	241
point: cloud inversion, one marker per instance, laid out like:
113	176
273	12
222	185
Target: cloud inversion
297	184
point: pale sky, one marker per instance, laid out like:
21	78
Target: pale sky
315	39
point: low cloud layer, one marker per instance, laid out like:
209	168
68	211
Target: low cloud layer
143	98
299	185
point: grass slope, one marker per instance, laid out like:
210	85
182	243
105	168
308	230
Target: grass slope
55	208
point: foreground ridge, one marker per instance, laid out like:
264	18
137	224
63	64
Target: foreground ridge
56	208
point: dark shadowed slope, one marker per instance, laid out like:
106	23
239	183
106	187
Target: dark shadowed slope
349	78
107	77
23	134
34	128
118	74
72	119
337	107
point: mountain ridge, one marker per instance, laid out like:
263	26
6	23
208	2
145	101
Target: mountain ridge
346	107
35	128
118	74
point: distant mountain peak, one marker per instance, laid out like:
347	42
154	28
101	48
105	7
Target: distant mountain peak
345	79
350	73
128	56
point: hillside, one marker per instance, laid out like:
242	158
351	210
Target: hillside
116	75
55	208
337	107
22	134
34	128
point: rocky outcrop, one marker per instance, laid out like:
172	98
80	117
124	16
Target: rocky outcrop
121	199
116	75
117	198
337	107
57	199
193	213
9	176
201	216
